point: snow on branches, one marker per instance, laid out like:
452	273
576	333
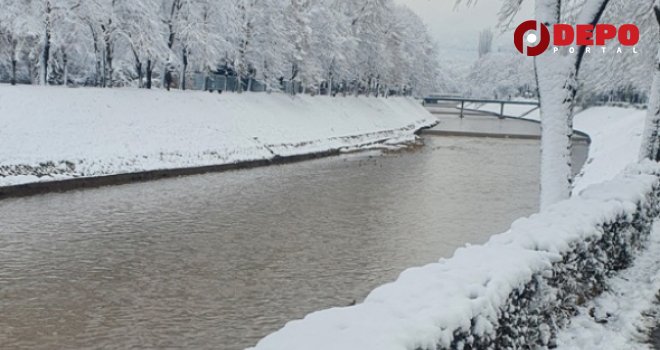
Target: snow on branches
374	45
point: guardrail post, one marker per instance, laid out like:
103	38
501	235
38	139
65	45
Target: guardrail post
462	106
502	110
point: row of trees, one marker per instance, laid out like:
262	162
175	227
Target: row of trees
373	43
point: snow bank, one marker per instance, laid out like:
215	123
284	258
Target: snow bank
49	133
513	292
616	139
621	317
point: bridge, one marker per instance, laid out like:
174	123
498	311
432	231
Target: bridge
496	119
438	101
476	117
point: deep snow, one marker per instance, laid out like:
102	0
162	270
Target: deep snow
49	133
616	138
621	317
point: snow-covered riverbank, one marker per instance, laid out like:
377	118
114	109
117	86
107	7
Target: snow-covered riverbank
616	138
50	133
458	302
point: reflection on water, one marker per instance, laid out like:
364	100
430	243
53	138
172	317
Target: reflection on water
219	261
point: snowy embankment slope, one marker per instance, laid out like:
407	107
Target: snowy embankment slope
50	133
616	138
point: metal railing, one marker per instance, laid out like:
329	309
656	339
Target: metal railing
462	101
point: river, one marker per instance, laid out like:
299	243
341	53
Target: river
218	261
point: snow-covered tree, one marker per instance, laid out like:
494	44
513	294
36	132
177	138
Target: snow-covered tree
371	46
557	77
651	138
500	75
140	27
17	33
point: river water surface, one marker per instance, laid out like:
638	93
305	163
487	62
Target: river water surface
218	261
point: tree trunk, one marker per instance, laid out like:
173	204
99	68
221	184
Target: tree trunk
651	139
108	57
13	71
557	83
98	80
556	114
138	69
184	68
32	74
97	55
557	101
149	73
103	64
108	63
65	62
45	55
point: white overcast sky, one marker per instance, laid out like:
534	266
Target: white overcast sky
456	29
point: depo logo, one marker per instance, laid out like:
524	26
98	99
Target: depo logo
587	35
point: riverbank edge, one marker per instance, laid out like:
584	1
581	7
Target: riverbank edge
71	184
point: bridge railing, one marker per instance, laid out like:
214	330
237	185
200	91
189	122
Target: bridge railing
463	101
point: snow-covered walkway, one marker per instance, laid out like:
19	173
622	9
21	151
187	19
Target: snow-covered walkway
622	317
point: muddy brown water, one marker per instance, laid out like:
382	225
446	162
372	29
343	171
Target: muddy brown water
218	261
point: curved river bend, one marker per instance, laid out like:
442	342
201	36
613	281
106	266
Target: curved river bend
220	260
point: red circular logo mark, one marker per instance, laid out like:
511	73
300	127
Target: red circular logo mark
543	40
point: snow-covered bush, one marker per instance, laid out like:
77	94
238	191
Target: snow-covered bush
514	292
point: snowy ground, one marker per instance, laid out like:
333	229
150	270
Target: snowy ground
621	317
50	133
616	136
